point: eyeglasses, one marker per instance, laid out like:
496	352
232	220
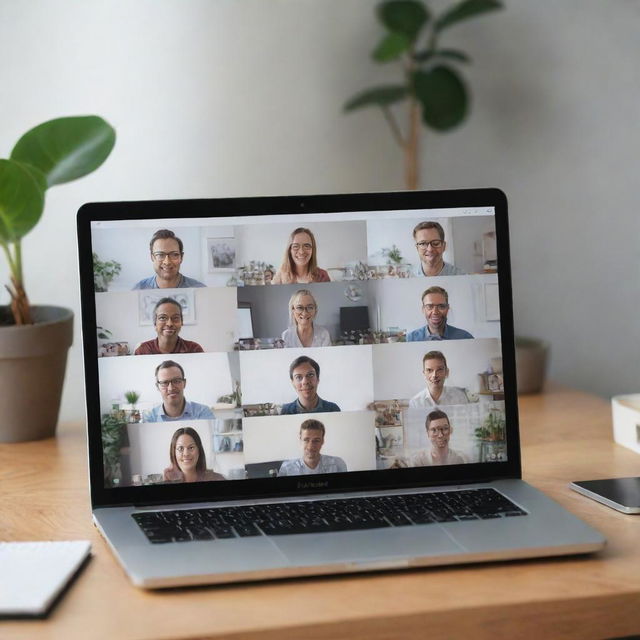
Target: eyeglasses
307	246
164	318
161	255
443	430
430	307
176	382
298	377
308	308
191	448
423	244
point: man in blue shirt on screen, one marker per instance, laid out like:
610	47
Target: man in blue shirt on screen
304	373
435	306
166	257
171	382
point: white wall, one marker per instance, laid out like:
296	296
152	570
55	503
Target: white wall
213	98
347	435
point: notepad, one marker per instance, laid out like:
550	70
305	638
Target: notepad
34	574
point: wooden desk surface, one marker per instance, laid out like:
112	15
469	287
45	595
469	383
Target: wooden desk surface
566	435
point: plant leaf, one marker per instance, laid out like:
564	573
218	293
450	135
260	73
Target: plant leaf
22	189
392	46
66	148
443	96
465	10
379	96
404	16
451	54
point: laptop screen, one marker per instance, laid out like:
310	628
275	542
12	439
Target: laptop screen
233	348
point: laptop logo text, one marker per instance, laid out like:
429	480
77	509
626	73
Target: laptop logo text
313	485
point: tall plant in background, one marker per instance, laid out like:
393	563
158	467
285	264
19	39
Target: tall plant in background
432	89
54	152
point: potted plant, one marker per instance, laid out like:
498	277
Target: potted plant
132	398
34	340
113	441
432	88
104	273
492	434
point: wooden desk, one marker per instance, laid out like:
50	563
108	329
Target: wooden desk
566	436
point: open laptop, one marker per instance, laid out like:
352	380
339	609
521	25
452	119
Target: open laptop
294	386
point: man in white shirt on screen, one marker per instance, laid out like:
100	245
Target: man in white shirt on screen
312	461
435	371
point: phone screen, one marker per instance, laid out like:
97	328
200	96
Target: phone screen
622	494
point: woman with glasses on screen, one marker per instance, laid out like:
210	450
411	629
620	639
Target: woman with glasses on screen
302	332
299	263
188	460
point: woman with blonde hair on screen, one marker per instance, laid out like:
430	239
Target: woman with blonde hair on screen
299	264
302	332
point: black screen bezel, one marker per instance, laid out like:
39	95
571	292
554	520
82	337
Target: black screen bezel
292	205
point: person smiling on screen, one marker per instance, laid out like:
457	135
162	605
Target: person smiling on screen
435	306
166	257
304	373
188	460
171	382
167	320
435	371
430	243
302	332
300	260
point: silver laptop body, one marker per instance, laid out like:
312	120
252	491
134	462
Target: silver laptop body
407	388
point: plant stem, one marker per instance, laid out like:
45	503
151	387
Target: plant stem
412	144
395	129
19	302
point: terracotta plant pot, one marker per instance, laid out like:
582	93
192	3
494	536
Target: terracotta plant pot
532	356
33	359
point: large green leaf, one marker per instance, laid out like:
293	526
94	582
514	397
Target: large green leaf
443	96
379	96
465	10
404	16
451	54
66	148
391	47
22	189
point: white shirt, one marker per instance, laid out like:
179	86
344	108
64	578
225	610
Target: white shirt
425	459
321	337
298	467
450	395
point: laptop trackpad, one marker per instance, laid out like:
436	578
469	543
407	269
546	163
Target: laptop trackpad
396	542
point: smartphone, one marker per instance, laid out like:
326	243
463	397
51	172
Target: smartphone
622	494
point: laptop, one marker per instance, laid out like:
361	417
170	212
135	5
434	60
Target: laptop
306	385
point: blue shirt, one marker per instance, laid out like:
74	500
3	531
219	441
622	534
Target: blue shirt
185	282
323	406
450	333
192	411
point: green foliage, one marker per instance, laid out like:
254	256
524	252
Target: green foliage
412	35
393	255
112	433
132	397
54	152
104	273
493	428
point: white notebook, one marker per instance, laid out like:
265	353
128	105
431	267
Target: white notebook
33	574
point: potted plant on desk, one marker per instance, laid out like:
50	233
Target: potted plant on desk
34	340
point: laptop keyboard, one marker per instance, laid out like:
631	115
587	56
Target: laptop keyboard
346	514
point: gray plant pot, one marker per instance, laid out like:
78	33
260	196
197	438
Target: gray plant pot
33	359
532	356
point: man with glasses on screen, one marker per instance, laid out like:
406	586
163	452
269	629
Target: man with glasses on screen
166	257
312	461
304	373
171	382
435	306
435	371
429	240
